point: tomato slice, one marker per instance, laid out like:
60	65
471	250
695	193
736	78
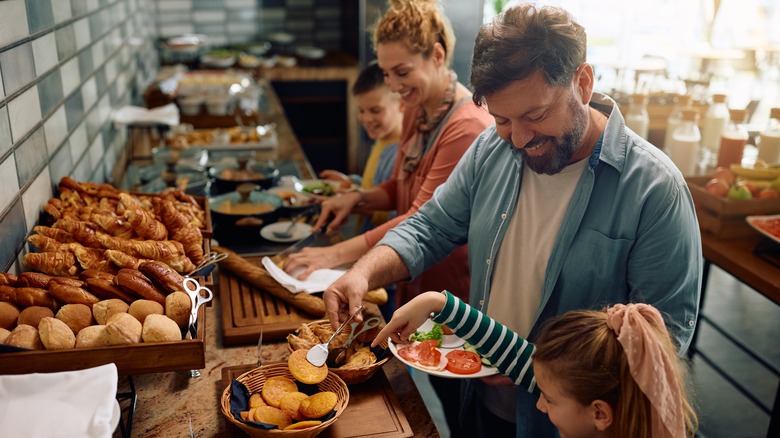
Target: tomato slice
429	355
463	362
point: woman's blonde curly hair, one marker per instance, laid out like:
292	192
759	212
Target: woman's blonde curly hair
418	24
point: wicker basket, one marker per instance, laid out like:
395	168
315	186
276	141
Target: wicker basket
354	376
254	381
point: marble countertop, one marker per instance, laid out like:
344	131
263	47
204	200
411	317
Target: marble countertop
166	401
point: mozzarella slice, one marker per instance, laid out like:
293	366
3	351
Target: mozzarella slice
439	367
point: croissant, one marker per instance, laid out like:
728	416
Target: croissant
67	182
82	231
90	258
53	209
46	244
182	230
52	263
145	225
122	259
168	251
113	225
57	234
71	199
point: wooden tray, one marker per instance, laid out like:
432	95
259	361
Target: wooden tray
373	410
723	207
131	359
247	310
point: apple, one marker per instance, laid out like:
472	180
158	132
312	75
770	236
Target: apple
752	187
768	193
725	174
739	192
717	187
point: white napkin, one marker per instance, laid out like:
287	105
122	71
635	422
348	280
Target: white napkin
318	281
130	114
65	404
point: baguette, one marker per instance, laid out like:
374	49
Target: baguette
137	283
72	295
260	278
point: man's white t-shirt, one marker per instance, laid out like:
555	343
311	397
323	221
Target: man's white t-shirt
521	262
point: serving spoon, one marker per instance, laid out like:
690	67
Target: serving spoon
287	232
318	354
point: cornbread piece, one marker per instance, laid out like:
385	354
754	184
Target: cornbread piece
305	372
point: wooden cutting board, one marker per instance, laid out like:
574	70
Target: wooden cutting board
247	309
373	410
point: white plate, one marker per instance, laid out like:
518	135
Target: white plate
447	341
306	182
755	221
484	372
299	231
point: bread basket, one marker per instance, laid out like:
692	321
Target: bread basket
254	380
353	376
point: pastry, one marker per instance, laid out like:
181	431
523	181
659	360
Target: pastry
305	372
140	309
103	310
56	335
318	405
177	307
137	283
33	279
91	337
275	388
121	328
25	336
303	425
290	403
76	316
106	289
272	415
8	315
71	295
33	315
160	328
163	276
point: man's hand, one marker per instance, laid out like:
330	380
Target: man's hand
308	260
344	296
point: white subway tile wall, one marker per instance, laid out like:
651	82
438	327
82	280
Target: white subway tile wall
64	65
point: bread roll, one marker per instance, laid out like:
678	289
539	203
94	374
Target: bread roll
122	328
56	335
177	307
163	276
66	293
33	296
93	273
76	316
8	315
4	335
137	283
67	280
107	308
140	309
33	315
8	279
25	336
91	337
160	328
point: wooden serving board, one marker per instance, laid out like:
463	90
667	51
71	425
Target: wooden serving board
248	310
373	410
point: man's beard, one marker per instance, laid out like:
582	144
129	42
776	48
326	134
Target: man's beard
562	151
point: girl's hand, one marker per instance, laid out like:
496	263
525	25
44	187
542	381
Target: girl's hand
410	316
308	260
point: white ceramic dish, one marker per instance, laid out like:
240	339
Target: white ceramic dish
757	223
484	372
298	232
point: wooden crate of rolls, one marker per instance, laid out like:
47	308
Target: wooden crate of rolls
91	254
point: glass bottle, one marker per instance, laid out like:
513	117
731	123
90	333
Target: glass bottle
637	117
715	120
686	141
675	117
769	139
733	139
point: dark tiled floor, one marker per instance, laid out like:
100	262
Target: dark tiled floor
723	411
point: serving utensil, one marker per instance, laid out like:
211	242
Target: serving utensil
338	355
318	354
287	232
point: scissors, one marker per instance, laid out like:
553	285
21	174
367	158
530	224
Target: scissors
367	325
210	258
194	290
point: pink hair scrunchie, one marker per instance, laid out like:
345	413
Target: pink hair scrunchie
650	365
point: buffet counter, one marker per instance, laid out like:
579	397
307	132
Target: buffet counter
177	404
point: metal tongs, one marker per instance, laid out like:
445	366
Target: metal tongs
209	259
318	354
